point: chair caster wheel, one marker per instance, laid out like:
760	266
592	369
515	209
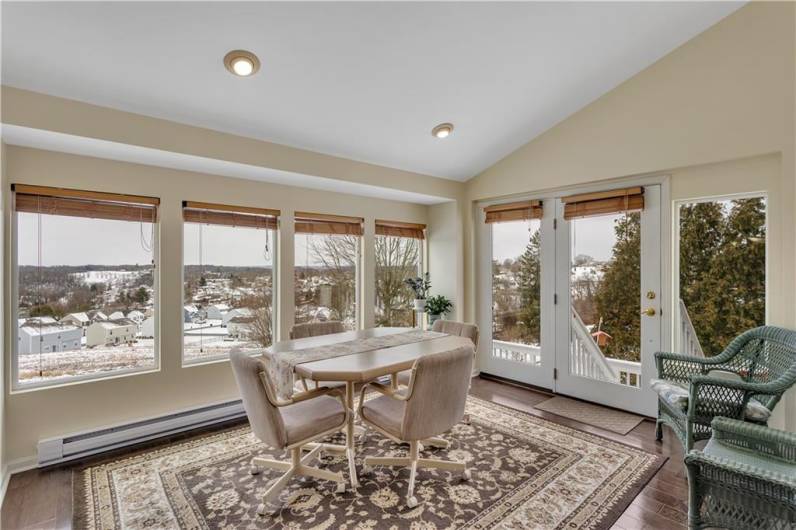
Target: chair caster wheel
254	470
467	474
340	487
411	502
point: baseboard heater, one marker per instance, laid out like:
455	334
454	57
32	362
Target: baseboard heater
64	448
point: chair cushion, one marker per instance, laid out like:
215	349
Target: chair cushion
750	458
306	419
385	412
676	395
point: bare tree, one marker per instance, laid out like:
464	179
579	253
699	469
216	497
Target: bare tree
397	258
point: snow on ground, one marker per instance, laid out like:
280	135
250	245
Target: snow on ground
109	277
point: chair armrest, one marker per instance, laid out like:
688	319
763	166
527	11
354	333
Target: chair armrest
744	472
757	438
679	367
301	396
715	396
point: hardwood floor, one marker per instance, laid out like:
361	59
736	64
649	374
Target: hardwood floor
42	499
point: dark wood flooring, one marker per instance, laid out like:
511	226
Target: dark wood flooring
41	499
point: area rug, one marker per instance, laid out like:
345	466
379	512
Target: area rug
603	417
526	473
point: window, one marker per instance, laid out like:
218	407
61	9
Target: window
326	268
399	255
722	272
228	279
86	270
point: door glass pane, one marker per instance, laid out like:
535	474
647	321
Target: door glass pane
397	258
605	290
516	316
722	248
326	278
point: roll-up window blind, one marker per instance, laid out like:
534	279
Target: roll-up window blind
514	211
225	215
316	223
90	204
400	229
604	202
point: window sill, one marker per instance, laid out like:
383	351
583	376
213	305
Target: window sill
37	387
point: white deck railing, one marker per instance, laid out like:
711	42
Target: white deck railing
514	351
689	341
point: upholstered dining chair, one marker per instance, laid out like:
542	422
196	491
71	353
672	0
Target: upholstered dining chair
290	425
460	329
408	416
315	329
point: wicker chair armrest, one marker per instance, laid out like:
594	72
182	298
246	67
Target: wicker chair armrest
757	438
714	396
678	367
745	471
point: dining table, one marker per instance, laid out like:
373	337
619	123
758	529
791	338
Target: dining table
357	357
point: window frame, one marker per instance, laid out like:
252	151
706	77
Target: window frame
223	358
13	302
675	277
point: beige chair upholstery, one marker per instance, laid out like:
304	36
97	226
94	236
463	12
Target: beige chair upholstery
460	329
291	425
315	329
432	404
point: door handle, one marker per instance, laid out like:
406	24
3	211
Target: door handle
650	312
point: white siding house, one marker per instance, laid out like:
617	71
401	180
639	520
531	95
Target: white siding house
81	320
238	312
216	311
116	315
48	338
136	316
117	331
148	328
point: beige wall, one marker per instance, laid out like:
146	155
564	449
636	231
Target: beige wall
724	98
54	411
445	248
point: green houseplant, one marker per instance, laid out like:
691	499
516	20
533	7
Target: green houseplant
420	287
437	306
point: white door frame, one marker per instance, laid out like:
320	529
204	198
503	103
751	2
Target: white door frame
640	400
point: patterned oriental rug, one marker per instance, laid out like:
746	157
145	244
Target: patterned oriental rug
527	473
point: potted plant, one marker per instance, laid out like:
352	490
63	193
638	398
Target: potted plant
420	287
436	307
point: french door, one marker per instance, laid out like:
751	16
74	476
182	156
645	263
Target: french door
575	303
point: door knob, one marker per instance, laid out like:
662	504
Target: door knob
650	312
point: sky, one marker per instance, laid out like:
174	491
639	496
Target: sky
228	246
593	236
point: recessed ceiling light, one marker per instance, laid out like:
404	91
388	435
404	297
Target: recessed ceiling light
443	130
242	63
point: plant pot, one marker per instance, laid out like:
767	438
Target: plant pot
420	305
433	318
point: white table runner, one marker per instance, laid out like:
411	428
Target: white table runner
281	365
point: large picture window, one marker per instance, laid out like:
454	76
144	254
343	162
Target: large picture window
722	272
228	275
399	255
85	283
327	254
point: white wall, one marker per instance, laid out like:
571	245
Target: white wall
445	253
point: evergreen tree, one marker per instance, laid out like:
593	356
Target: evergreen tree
618	295
529	282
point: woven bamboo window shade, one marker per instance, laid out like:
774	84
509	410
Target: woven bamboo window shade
90	204
604	202
318	223
513	211
225	215
400	229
